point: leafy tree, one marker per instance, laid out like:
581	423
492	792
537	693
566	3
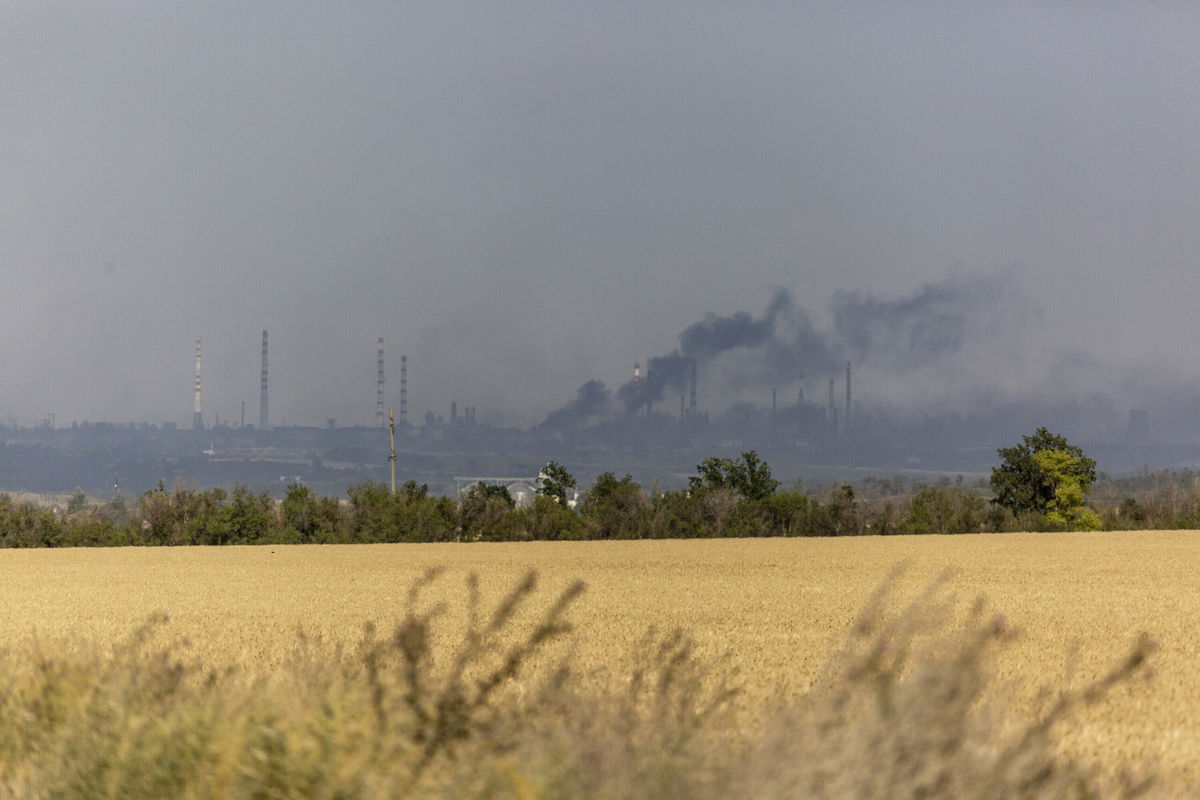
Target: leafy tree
615	509
548	519
409	515
676	515
1045	475
306	517
496	492
749	476
554	481
945	510
1133	511
839	515
1070	493
245	519
183	515
78	501
789	512
484	513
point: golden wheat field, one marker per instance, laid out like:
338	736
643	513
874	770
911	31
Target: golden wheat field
777	606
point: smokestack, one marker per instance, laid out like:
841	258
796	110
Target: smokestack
847	423
264	418
379	386
801	394
774	403
692	398
453	413
403	389
197	418
682	411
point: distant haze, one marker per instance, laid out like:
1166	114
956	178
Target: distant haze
974	203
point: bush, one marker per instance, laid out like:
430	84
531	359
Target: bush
548	520
946	511
615	509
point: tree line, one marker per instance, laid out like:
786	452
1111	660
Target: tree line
1041	484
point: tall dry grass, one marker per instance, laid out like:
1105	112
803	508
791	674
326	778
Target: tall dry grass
909	707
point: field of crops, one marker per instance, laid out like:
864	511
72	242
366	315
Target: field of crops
777	607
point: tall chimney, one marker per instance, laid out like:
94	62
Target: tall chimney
403	389
847	422
197	418
264	418
379	386
801	393
774	403
692	397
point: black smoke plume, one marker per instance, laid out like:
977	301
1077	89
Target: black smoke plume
592	401
930	325
893	335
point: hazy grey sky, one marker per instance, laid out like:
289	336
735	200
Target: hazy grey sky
523	196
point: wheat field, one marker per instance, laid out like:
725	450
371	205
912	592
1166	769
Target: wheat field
777	607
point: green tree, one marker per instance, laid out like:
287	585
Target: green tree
1046	475
78	501
306	517
946	510
749	476
840	514
1070	491
484	513
409	515
554	481
615	509
547	519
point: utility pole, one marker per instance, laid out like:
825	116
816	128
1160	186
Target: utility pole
392	445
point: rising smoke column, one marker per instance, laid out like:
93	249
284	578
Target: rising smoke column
892	335
670	371
593	400
702	341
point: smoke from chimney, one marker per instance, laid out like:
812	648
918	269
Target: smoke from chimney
892	337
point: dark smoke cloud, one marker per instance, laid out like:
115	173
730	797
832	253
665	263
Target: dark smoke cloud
716	334
592	401
892	336
930	325
671	371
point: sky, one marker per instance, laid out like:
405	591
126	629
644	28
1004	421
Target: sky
524	196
